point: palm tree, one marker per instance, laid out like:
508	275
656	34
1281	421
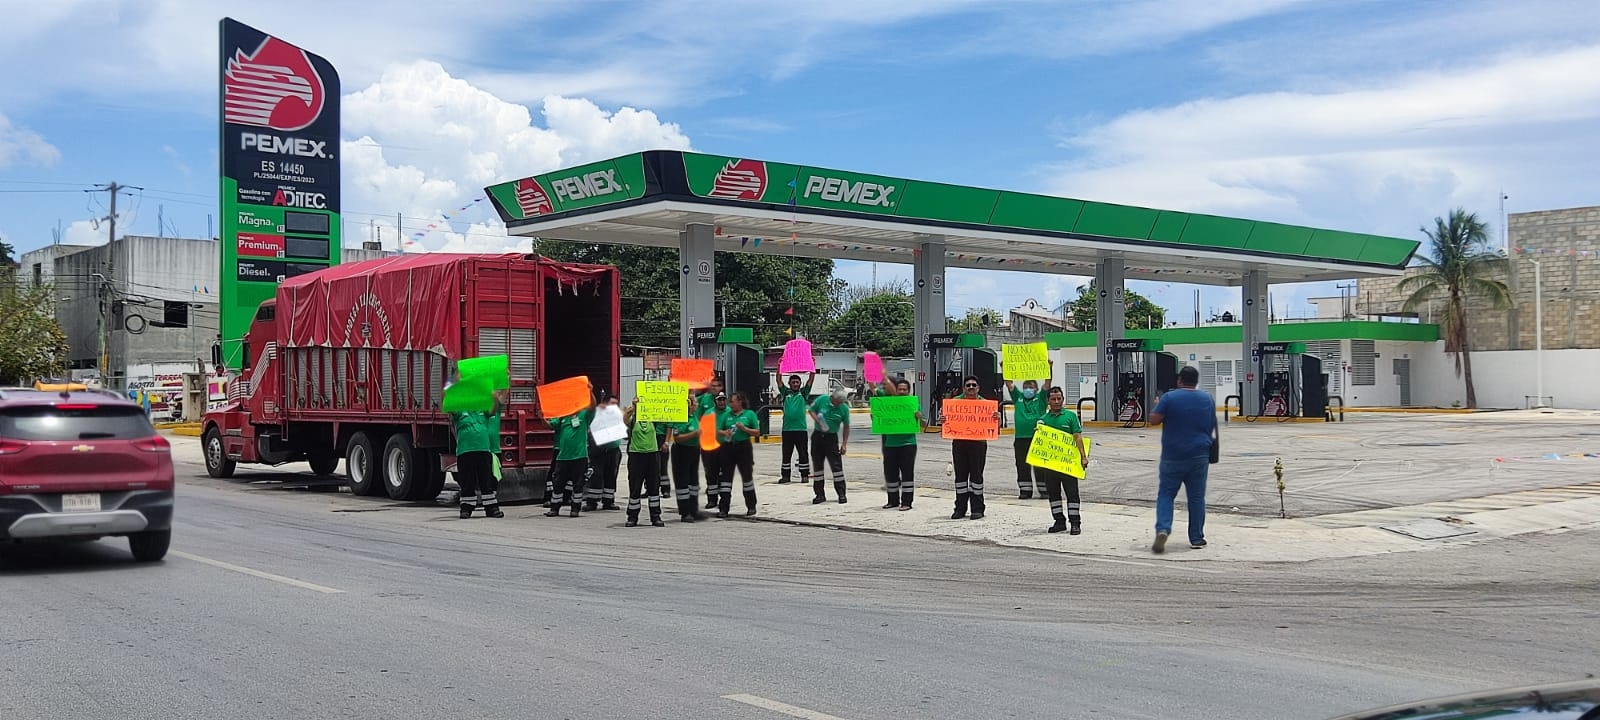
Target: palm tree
1460	270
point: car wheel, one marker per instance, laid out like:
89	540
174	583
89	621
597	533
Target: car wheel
324	463
217	463
362	465
150	546
401	474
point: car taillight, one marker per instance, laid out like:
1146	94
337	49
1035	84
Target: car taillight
65	406
154	443
12	447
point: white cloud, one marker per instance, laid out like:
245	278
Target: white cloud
84	232
21	145
429	142
1380	158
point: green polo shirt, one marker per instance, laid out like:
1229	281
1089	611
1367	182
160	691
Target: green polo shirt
833	416
572	435
728	419
1027	412
704	404
642	438
794	407
476	431
889	441
681	432
1064	420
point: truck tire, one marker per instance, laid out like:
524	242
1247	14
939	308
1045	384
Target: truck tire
362	465
324	463
402	474
217	463
432	476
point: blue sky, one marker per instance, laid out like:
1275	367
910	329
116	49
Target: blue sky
1356	115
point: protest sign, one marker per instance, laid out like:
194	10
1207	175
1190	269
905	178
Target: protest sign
473	394
608	425
872	367
697	374
1025	362
708	433
797	357
665	402
564	397
970	419
895	415
1054	449
495	367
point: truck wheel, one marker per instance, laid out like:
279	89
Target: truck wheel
324	463
217	463
150	546
401	474
361	463
431	477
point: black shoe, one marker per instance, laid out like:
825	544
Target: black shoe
1076	529
590	506
1160	545
655	520
818	500
686	518
749	512
1060	526
493	511
957	515
842	500
722	514
711	504
553	512
466	511
905	507
574	512
783	481
633	521
609	506
976	516
1025	495
1198	546
891	506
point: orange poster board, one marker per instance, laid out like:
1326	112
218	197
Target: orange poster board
708	432
696	373
970	420
565	397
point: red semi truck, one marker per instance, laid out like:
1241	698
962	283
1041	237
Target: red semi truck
350	364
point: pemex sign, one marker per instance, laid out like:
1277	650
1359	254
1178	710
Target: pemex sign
279	120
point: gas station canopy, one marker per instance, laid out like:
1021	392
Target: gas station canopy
650	198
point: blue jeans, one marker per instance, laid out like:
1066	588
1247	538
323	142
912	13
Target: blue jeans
1191	474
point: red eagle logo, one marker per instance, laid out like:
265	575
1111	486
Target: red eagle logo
532	198
273	87
740	180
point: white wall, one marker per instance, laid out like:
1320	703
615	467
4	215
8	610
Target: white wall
1503	377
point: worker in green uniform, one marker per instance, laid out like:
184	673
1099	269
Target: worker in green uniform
794	398
711	462
477	442
831	416
572	459
1059	483
644	463
737	429
685	441
605	462
900	455
1027	405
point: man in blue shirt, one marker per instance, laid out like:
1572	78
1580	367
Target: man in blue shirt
1188	420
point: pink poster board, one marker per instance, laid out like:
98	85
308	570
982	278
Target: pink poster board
797	357
872	367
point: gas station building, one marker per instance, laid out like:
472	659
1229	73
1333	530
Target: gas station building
704	204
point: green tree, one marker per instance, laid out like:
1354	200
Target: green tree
753	290
883	323
32	344
976	320
1459	269
1140	313
7	254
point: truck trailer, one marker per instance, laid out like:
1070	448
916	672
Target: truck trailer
350	364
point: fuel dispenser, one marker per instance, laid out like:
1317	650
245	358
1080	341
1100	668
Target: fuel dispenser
740	363
1141	372
957	356
1292	382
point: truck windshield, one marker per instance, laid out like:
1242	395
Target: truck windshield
101	422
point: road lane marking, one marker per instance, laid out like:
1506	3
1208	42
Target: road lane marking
778	707
257	573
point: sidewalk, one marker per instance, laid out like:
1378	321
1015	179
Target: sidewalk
1119	531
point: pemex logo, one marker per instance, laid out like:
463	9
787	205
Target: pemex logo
532	198
740	180
273	87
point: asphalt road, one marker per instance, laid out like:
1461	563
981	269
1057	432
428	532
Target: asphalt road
289	604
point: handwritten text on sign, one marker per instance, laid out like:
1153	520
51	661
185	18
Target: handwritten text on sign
872	367
970	420
1025	362
1054	449
895	415
797	357
663	402
694	372
565	397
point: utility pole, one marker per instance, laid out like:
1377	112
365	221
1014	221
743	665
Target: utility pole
103	287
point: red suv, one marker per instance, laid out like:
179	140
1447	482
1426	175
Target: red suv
83	465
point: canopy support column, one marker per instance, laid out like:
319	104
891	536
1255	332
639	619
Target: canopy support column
1255	310
928	305
697	286
1111	323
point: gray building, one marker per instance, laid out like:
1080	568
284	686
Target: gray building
151	301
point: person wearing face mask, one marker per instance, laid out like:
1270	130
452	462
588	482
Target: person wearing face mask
1057	484
899	455
969	457
1027	405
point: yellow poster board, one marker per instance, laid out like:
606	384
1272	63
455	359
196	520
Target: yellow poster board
1054	449
1025	362
662	402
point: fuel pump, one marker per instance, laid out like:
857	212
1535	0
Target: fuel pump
1141	372
1292	382
957	356
739	362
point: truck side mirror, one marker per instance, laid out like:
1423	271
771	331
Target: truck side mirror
216	354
